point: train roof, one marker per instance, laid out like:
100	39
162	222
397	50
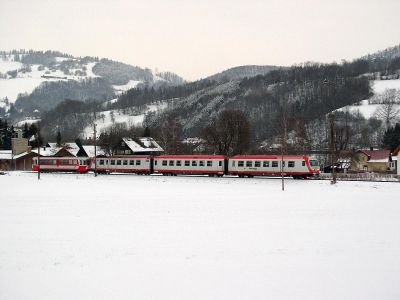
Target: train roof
191	156
268	157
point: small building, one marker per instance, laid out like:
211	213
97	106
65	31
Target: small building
138	146
343	163
395	159
371	161
22	161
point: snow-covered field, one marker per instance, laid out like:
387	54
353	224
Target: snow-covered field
154	237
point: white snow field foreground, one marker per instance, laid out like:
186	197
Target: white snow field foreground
153	237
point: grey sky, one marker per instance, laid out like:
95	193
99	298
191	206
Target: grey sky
198	38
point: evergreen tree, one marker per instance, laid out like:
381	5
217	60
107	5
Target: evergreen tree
391	139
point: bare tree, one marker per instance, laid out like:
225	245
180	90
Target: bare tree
169	134
388	111
228	134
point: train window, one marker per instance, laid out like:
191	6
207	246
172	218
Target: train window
249	163
70	161
266	164
101	162
240	163
171	163
313	163
164	162
187	163
283	163
233	163
118	162
275	164
209	163
257	164
291	164
178	163
138	162
155	162
194	163
303	163
132	162
220	163
201	163
125	162
112	162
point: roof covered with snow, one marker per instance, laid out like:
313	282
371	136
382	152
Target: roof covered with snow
377	155
51	149
89	149
5	154
142	144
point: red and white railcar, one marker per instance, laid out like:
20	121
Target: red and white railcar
212	165
140	164
61	164
263	165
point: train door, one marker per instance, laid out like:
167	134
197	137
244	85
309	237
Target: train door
226	166
151	165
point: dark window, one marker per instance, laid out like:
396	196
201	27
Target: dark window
112	162
187	163
266	164
201	163
118	162
220	163
178	163
291	164
249	163
132	162
303	163
284	163
209	163
138	162
275	164
257	164
165	163
125	162
240	163
171	163
101	162
194	163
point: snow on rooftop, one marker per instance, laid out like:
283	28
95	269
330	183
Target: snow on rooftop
5	154
143	144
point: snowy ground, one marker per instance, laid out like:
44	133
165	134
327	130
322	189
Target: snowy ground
154	237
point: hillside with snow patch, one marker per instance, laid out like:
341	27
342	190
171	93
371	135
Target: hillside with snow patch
367	109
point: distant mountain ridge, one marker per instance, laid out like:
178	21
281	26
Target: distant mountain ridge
241	72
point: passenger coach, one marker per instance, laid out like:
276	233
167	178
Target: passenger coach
212	165
125	164
262	165
61	164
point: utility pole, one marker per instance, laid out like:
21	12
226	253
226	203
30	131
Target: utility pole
332	145
38	142
95	151
283	146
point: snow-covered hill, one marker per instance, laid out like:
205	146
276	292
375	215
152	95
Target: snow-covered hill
107	118
21	72
368	109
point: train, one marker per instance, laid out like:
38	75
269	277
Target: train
296	166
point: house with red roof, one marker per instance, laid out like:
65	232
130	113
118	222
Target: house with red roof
372	161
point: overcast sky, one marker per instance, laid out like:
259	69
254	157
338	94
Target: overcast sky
199	38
